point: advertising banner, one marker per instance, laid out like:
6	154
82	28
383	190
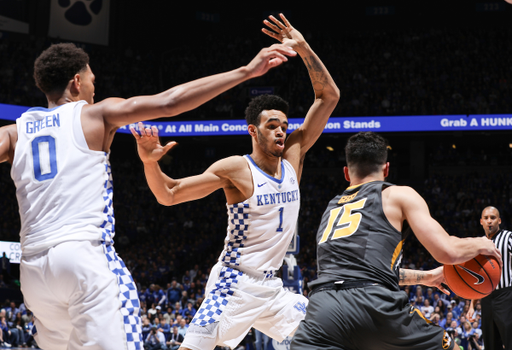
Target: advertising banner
12	250
414	123
343	125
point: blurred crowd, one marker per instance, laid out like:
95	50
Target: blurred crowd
390	72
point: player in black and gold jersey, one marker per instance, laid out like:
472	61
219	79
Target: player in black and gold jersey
356	302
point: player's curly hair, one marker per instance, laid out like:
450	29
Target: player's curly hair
57	65
366	152
262	103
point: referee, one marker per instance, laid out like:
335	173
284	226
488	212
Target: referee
497	307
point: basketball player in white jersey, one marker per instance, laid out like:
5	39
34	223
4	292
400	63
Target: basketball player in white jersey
79	290
262	193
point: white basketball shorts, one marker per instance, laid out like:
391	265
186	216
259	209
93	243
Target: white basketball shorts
82	297
235	302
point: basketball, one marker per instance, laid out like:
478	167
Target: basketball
475	278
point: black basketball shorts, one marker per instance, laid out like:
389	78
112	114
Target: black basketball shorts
370	318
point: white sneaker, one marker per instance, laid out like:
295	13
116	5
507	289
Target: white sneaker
7	345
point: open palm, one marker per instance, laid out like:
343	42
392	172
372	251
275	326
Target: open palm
148	144
283	31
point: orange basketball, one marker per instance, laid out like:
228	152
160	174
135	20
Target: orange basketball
475	278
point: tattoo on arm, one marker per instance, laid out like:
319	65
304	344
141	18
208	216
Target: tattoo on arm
419	276
313	64
410	277
316	73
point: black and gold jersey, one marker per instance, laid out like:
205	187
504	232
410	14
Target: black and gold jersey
355	240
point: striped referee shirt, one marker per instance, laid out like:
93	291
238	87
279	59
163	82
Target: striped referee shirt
503	242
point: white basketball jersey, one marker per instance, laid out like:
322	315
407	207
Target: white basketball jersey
64	189
260	228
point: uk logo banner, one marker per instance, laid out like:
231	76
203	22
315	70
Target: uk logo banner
84	21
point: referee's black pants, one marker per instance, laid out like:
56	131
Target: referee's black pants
497	320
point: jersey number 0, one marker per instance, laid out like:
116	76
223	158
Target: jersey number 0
346	225
44	157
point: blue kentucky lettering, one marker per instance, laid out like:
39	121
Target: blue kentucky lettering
277	198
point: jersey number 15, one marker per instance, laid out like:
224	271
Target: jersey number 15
346	225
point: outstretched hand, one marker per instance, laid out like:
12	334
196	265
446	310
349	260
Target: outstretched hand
283	32
268	58
148	144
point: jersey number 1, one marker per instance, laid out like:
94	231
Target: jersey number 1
44	157
347	224
280	227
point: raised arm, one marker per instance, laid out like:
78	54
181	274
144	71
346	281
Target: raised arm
185	97
8	138
327	93
169	191
446	249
